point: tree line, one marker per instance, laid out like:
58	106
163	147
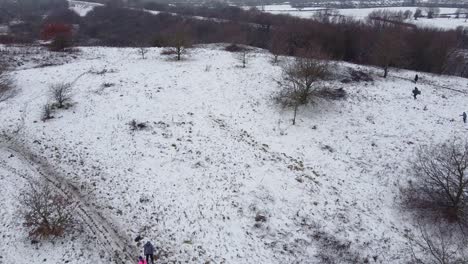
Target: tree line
379	42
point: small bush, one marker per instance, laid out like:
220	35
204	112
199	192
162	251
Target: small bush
45	211
61	93
107	85
243	57
6	85
143	51
135	125
47	112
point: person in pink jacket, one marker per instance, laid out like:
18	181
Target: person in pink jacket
141	260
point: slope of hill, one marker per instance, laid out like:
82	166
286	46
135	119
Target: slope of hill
219	174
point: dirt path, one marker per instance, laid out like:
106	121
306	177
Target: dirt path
114	243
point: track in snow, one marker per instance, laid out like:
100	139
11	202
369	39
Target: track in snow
112	242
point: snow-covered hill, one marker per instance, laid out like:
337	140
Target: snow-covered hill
82	8
220	175
447	22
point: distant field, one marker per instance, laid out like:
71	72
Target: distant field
362	13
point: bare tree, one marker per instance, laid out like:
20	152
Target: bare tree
407	14
278	45
61	93
387	50
432	12
440	186
437	244
180	41
300	83
143	51
46	212
417	14
243	57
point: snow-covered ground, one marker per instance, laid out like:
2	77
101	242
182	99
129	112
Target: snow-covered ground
217	152
82	8
362	13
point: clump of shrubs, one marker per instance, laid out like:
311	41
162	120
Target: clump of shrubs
46	212
136	126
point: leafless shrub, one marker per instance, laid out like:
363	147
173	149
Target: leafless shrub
143	51
61	93
135	125
300	83
107	85
440	186
6	85
439	244
45	211
47	112
243	57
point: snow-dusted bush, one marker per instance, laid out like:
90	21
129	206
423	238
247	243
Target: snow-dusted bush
45	211
135	125
440	186
61	93
46	112
243	57
143	51
6	84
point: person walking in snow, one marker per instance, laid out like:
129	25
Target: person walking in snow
416	92
149	252
416	78
141	260
464	117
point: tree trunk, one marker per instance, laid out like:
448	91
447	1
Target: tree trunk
295	113
385	71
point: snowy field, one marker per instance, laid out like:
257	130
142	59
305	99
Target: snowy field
82	8
216	154
362	13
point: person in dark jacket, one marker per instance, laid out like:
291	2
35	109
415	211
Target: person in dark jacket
416	78
416	92
464	117
149	252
